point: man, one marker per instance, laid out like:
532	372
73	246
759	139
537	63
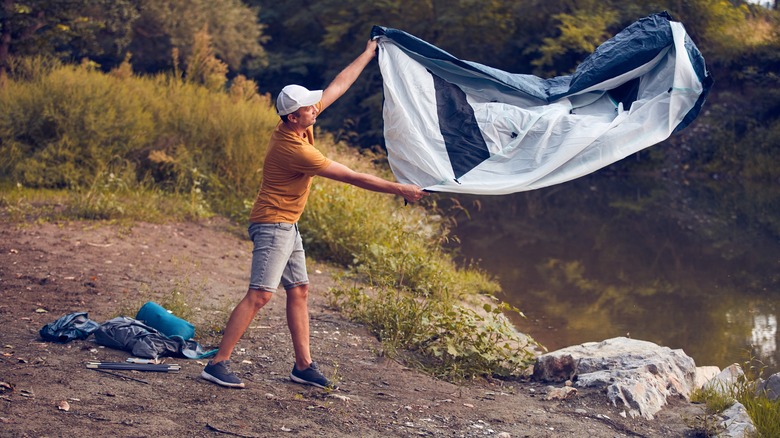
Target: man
278	256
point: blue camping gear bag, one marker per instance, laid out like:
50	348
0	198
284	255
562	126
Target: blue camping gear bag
156	316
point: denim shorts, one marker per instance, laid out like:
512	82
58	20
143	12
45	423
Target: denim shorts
277	257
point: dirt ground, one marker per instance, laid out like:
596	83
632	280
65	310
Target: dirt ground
52	269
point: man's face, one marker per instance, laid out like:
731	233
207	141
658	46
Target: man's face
306	116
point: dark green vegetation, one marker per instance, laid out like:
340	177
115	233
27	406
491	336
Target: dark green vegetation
295	41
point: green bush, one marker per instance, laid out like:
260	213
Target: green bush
446	338
62	127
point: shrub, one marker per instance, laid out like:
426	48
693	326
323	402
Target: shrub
447	339
63	126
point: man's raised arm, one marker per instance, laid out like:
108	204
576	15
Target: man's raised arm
348	76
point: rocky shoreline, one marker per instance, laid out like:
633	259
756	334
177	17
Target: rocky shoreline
640	377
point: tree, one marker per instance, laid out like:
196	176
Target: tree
68	29
202	66
236	35
580	32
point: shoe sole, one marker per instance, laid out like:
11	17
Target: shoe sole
306	382
211	378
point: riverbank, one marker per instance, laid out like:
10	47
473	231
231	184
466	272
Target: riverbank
51	269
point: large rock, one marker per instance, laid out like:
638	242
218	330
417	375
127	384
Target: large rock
736	423
771	387
637	374
704	375
724	381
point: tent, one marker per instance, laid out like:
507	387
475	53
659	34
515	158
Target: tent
458	126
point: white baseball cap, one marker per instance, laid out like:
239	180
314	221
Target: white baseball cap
293	97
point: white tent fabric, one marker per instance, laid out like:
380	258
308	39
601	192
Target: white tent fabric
458	126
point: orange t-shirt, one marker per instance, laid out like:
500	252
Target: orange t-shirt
290	165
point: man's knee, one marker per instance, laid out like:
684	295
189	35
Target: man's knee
258	298
299	292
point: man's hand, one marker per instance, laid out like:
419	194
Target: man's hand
371	46
412	193
347	77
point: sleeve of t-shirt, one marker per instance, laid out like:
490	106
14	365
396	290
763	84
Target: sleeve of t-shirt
310	161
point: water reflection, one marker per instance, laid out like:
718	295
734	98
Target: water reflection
764	337
693	267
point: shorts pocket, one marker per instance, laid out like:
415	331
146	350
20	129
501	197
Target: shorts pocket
284	227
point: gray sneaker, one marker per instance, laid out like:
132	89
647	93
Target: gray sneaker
311	376
220	374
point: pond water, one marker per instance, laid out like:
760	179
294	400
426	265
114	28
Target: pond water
692	265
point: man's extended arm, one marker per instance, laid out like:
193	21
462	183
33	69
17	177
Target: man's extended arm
340	172
348	76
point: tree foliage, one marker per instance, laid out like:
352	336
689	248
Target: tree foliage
308	42
580	32
237	37
68	29
105	30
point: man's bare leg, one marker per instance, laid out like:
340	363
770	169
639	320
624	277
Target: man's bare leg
239	321
298	323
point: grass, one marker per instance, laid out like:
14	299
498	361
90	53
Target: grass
110	201
445	337
764	413
185	300
715	399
